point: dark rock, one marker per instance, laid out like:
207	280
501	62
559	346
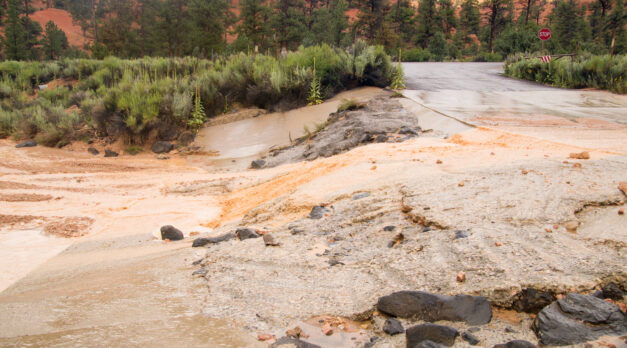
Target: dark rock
374	338
407	130
257	164
474	329
170	232
597	294
27	143
198	242
110	153
93	151
200	272
393	327
366	138
161	147
470	338
510	330
334	262
292	342
389	228
90	141
246	233
461	234
532	301
427	344
427	229
430	332
361	195
318	212
269	240
516	344
186	138
381	138
577	319
168	133
612	291
474	310
297	230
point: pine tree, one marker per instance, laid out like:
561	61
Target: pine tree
568	26
288	23
427	22
54	41
330	23
14	41
469	19
254	23
616	24
371	18
499	15
446	13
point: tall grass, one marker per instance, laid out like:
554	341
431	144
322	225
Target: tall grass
133	97
586	71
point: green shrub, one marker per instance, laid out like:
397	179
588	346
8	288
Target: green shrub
134	150
349	105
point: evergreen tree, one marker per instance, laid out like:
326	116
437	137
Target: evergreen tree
254	23
371	18
288	23
14	41
209	23
149	32
469	19
568	26
402	15
447	15
116	32
499	15
427	22
616	24
175	26
54	41
330	23
33	31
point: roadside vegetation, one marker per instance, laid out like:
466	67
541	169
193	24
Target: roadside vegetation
585	71
141	99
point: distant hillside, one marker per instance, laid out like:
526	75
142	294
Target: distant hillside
64	21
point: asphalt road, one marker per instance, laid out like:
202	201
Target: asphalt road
478	93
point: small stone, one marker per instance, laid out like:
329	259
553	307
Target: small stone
580	155
361	195
296	332
257	164
532	301
470	338
474	329
268	240
266	337
516	344
461	184
110	153
612	291
498	244
548	230
389	228
524	172
492	154
200	272
381	138
461	277
438	162
621	211
318	212
163	157
427	229
577	165
172	233
556	226
623	187
327	331
510	330
373	168
571	226
334	262
393	327
246	233
461	234
430	332
93	151
27	143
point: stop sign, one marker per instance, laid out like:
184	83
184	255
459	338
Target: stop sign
544	34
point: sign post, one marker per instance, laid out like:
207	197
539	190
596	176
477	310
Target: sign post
544	34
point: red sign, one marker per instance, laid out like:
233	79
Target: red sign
544	34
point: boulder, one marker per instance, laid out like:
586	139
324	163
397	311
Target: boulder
577	319
470	338
291	342
257	164
110	153
161	147
198	242
318	212
186	138
612	291
430	332
246	233
172	233
474	310
393	327
269	240
27	143
532	301
93	151
168	133
516	344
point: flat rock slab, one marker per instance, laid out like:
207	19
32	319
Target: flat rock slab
577	319
198	242
430	332
474	310
246	233
28	143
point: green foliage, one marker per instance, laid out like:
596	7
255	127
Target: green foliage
438	47
349	105
54	41
14	40
417	55
198	116
398	77
315	96
134	150
603	72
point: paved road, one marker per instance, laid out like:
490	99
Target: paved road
477	93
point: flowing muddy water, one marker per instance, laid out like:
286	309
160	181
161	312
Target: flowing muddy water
239	142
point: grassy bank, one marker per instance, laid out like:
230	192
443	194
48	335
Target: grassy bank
586	71
144	99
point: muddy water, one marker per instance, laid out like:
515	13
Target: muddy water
237	143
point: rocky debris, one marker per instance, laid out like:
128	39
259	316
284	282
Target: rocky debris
186	138
474	310
510	330
198	242
516	344
621	211
257	164
474	329
461	277
407	130
361	195
163	157
92	150
430	332
438	162
461	234
170	232
246	233
269	240
27	143
577	319
389	228
291	342
296	332
532	301
571	226
427	344
470	338
398	239
580	155
200	272
334	262
110	153
612	291
161	147
318	212
622	186
266	337
393	327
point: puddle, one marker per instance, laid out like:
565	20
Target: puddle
237	143
24	250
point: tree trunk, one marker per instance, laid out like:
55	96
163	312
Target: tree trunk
527	12
604	6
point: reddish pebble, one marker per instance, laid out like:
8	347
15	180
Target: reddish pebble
497	244
461	277
621	211
265	337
